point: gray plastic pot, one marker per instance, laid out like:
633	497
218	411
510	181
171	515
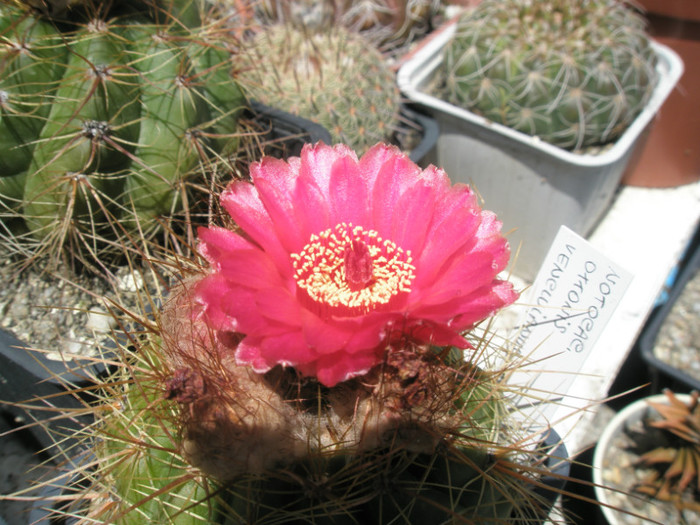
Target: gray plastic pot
533	187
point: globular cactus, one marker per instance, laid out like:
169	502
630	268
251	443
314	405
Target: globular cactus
385	23
316	74
317	372
573	73
103	120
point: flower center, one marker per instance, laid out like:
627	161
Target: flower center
352	269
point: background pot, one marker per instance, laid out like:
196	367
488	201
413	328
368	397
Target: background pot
532	186
681	369
629	415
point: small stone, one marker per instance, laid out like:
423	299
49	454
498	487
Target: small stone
100	321
131	282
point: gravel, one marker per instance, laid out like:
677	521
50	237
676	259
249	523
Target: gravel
678	341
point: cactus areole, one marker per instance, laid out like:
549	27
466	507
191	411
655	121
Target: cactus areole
574	73
102	120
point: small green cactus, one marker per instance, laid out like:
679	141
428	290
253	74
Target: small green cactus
574	73
315	74
104	120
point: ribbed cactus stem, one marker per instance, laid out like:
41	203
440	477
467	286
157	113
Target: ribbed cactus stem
573	73
106	120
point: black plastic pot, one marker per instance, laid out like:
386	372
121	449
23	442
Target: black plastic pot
31	390
688	269
427	130
285	133
558	465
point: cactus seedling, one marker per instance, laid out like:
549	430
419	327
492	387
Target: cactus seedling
573	73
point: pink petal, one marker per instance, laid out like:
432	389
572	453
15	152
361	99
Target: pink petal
332	369
216	243
396	174
312	206
317	161
276	181
242	202
413	216
349	192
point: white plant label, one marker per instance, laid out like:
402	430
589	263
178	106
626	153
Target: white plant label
567	308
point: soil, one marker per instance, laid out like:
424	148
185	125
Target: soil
678	341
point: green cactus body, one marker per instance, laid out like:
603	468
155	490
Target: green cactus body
171	107
115	116
573	73
137	452
93	118
33	63
315	75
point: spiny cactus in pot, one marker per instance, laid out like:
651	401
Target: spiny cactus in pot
320	365
105	116
573	73
326	74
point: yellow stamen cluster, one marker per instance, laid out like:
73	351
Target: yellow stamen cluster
320	269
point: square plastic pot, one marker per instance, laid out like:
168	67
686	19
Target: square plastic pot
534	187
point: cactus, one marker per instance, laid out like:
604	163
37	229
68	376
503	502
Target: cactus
672	463
572	73
400	425
386	23
314	74
105	119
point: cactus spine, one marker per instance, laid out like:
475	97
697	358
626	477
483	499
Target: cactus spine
573	73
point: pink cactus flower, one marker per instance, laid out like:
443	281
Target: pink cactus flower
336	257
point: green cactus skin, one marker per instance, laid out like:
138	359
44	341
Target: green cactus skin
574	73
137	454
94	112
130	108
33	63
316	75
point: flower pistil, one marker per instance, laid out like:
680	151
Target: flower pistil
352	270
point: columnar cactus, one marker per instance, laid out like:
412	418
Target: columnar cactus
574	73
316	74
103	120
